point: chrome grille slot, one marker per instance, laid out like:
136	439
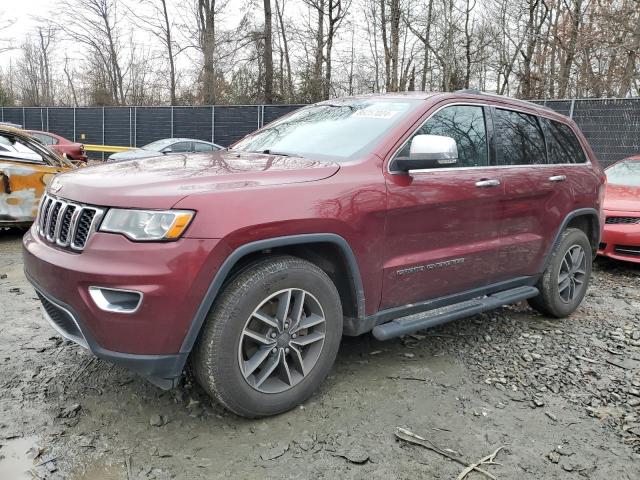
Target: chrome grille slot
67	224
622	220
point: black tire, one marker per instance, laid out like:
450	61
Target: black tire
552	301
218	352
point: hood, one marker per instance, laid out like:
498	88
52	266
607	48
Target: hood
622	197
132	154
160	182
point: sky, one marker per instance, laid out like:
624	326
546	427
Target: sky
22	13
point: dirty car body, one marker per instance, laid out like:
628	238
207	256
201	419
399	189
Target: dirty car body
26	167
365	211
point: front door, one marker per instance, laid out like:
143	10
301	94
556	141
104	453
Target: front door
442	233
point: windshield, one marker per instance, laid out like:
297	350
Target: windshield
626	173
335	131
158	144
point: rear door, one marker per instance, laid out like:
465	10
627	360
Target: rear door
442	224
537	197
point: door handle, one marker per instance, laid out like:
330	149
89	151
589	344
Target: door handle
488	183
558	178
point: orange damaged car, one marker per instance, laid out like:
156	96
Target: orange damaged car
26	167
621	235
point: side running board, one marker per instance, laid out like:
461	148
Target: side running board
438	316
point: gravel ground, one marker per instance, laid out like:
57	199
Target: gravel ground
561	397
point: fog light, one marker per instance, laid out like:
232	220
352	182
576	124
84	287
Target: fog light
116	299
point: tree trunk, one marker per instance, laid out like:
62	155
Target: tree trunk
268	53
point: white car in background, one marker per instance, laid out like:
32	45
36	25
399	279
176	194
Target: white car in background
166	146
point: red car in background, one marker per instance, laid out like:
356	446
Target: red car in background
621	236
73	150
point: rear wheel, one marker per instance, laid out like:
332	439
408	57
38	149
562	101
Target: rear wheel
566	278
271	337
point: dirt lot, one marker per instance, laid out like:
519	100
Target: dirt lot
561	397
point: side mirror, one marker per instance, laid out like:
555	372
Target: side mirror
167	150
429	151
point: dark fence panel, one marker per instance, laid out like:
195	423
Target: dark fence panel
117	126
88	125
193	122
273	112
232	123
61	121
13	115
35	118
152	123
612	126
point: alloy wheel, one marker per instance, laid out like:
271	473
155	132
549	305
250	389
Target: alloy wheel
572	274
282	341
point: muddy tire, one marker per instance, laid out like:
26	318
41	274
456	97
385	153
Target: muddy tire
566	278
270	338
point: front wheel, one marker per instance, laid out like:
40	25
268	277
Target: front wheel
271	337
566	278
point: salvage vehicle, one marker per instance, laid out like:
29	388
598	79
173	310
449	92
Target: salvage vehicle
26	167
385	214
166	146
621	235
59	144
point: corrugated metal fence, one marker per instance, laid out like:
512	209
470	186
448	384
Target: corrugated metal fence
612	126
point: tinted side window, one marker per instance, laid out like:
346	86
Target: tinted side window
465	124
520	140
564	146
202	147
181	147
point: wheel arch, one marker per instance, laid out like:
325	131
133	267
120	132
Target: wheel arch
585	219
312	247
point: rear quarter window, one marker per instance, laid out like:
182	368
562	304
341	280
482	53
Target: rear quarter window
563	145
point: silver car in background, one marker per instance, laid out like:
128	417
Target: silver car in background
166	146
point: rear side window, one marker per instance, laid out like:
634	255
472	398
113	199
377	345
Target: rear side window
202	147
519	139
465	124
564	146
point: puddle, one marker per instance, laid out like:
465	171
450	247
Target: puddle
101	472
14	462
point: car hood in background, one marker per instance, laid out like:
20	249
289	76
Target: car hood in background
622	197
160	182
132	154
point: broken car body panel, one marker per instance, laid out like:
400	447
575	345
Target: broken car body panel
23	178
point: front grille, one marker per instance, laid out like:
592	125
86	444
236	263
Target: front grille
60	318
67	224
624	220
627	250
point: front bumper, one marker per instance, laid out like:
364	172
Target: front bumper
621	241
172	276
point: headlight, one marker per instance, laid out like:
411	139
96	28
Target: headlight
147	225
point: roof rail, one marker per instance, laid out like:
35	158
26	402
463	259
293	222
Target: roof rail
474	91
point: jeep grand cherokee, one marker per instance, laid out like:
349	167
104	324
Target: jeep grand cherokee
383	214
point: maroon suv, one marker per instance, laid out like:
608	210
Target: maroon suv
385	213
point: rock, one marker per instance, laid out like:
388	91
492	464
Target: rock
408	355
156	421
554	457
356	455
70	411
551	416
14	290
3	276
275	452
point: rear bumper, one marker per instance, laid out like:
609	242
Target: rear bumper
621	241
